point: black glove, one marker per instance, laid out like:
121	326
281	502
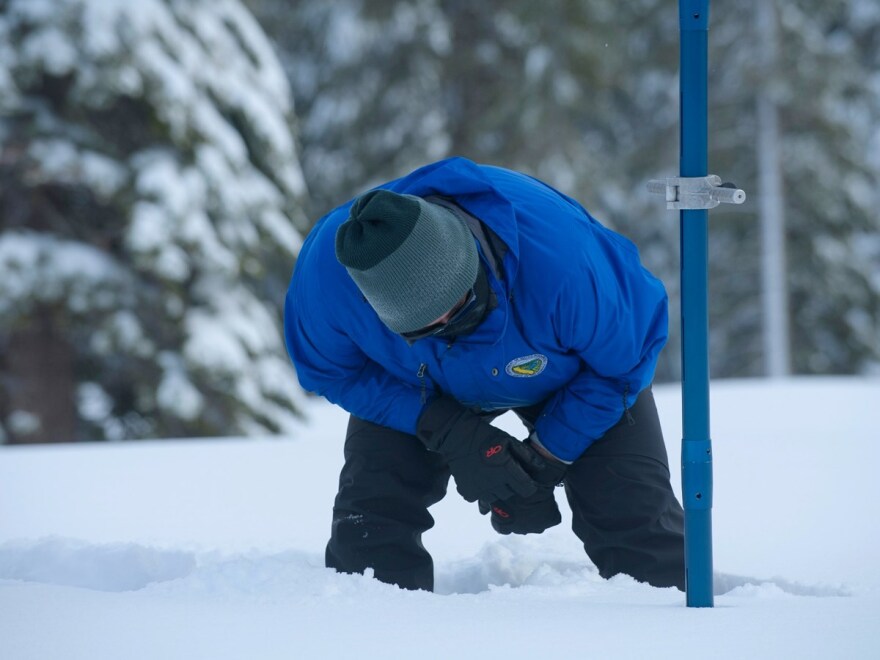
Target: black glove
485	461
523	515
534	513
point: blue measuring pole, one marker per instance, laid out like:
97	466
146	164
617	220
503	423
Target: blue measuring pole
696	453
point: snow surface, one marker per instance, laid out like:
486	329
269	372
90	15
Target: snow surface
213	549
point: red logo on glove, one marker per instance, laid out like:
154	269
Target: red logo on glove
501	512
491	451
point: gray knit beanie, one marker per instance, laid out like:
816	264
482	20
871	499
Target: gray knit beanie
411	259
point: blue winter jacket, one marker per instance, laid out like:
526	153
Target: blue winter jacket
579	322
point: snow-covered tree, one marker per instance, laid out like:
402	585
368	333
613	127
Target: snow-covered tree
825	87
366	80
150	196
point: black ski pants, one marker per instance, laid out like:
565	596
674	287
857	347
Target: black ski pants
623	507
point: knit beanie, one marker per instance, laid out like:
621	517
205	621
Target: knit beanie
412	260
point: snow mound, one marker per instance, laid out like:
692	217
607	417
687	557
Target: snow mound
104	567
509	563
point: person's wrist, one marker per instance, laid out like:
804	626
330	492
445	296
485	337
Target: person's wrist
552	470
535	443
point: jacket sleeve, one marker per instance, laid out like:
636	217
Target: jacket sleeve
330	364
613	315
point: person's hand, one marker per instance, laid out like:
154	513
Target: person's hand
487	463
534	513
523	515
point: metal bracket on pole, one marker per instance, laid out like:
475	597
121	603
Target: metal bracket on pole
698	192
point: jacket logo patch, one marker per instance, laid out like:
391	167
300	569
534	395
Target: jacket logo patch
526	367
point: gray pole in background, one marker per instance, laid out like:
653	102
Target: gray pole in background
771	203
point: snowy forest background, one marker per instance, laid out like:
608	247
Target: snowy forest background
161	160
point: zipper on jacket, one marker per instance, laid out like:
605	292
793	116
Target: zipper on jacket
421	374
629	418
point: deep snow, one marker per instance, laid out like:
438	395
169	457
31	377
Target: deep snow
213	549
